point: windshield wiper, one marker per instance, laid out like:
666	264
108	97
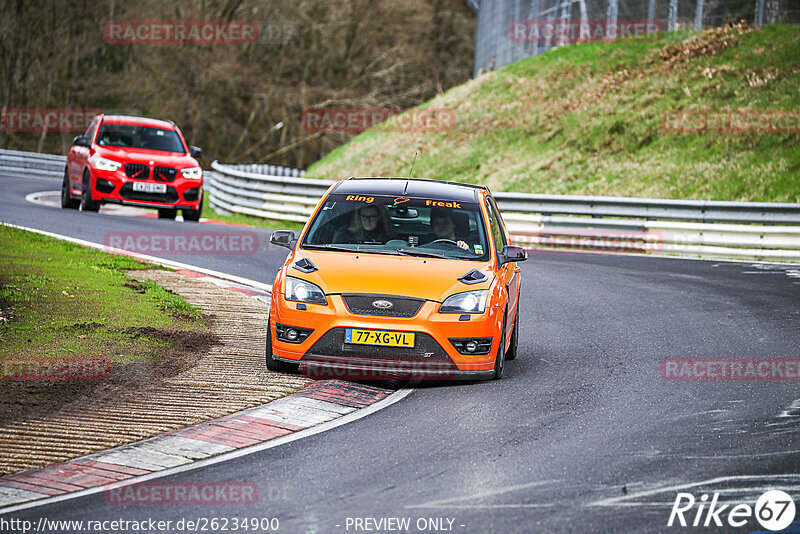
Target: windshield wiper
329	247
345	249
422	254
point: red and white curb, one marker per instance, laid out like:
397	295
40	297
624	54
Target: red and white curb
318	407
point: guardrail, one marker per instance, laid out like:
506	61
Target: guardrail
16	163
259	191
744	230
711	229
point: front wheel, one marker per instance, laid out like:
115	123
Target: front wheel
193	215
500	359
277	366
87	204
167	213
511	353
67	201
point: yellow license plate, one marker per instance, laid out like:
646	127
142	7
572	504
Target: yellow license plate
379	337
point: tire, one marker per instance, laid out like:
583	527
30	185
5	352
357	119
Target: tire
277	366
500	359
193	215
87	204
67	202
167	213
511	353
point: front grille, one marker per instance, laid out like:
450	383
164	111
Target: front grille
128	193
166	174
331	357
137	171
362	304
332	345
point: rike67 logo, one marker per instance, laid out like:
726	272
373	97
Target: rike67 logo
774	511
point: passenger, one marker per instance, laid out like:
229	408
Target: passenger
444	228
369	225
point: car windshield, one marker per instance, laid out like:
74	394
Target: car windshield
428	228
144	137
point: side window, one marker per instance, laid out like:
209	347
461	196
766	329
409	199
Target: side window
497	229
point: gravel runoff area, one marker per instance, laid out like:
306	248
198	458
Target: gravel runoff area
231	377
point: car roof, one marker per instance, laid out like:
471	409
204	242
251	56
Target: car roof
138	121
411	187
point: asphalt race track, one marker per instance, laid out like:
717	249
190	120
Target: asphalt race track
582	434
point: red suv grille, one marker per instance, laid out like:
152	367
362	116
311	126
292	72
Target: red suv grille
137	171
166	174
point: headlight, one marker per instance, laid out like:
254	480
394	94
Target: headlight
302	291
194	173
104	164
469	302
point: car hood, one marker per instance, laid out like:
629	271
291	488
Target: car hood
426	278
128	155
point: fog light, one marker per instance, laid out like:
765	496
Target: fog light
291	334
472	346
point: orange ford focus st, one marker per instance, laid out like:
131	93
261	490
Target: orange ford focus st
397	278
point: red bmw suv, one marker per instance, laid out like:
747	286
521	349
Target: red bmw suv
135	161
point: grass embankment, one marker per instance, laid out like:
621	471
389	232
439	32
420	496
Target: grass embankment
587	119
60	301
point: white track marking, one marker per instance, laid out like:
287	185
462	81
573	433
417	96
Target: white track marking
792	411
733	456
620	500
448	503
106	209
483	506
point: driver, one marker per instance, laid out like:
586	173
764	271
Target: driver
369	224
113	138
444	228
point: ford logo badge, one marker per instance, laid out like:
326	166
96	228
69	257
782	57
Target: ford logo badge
382	304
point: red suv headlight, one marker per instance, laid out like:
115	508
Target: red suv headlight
193	173
104	164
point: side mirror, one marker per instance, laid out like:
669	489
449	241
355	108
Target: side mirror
511	254
195	152
81	140
283	238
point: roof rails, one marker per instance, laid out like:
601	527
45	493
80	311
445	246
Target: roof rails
418	180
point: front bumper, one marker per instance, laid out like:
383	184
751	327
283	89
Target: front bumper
115	187
383	370
325	354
